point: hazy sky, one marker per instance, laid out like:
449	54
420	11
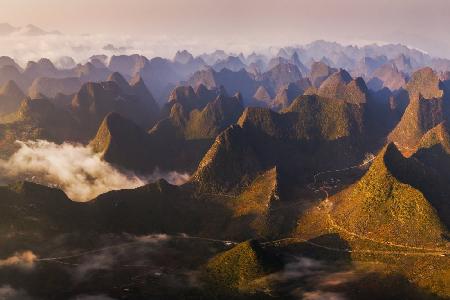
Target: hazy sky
422	24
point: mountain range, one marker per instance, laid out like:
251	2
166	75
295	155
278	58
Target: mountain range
28	30
319	172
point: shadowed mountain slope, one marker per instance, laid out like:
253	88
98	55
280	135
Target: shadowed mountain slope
182	136
50	87
319	73
286	95
95	100
388	76
10	97
38	119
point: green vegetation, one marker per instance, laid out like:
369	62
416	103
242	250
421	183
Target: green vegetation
420	116
214	118
382	207
438	135
237	271
340	85
251	209
316	117
230	163
426	109
388	222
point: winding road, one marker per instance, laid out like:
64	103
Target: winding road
133	243
411	250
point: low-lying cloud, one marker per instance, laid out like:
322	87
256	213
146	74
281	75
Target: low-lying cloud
319	280
9	293
172	177
133	251
320	295
24	48
24	260
152	238
76	169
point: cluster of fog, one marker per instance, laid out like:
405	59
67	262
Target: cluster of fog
139	252
24	47
23	260
316	279
174	261
80	47
160	257
7	292
76	169
140	256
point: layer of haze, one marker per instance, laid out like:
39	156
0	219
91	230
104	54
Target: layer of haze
418	23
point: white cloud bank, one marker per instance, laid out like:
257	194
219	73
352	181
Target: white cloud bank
80	47
24	260
76	169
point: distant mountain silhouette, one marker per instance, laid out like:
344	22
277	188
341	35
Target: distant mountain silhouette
388	76
341	85
367	65
95	100
8	61
286	95
319	73
183	57
127	64
10	97
281	75
51	87
232	63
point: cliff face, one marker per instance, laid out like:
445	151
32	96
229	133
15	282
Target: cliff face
427	108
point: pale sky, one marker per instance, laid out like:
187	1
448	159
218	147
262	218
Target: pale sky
422	24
